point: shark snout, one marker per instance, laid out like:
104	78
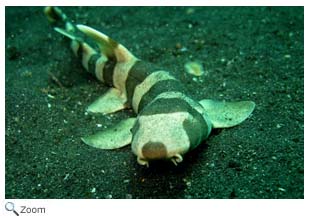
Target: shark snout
151	151
154	150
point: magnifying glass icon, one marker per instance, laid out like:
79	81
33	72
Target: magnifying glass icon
9	206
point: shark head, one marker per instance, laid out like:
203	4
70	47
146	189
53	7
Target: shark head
161	136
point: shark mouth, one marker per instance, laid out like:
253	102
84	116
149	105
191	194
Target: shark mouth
176	159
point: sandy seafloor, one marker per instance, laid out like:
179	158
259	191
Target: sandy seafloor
249	53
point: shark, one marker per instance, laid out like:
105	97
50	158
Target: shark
168	123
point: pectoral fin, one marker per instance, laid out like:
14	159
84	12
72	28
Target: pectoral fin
227	114
110	102
114	137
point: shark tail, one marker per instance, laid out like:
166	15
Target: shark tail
80	48
58	18
110	63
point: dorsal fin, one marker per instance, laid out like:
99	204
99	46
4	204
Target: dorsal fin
107	46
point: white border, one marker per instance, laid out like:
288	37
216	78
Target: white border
158	208
2	107
164	208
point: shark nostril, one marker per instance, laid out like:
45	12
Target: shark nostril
154	150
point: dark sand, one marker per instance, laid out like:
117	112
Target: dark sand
252	53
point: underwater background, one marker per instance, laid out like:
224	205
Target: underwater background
248	53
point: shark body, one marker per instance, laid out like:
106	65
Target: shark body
169	122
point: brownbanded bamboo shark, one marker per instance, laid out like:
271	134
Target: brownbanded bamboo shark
169	122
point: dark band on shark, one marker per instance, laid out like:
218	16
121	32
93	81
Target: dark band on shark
108	71
55	14
92	63
137	74
170	105
158	88
195	131
80	52
113	44
174	105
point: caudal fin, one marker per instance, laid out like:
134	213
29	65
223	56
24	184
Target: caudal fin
58	18
111	65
